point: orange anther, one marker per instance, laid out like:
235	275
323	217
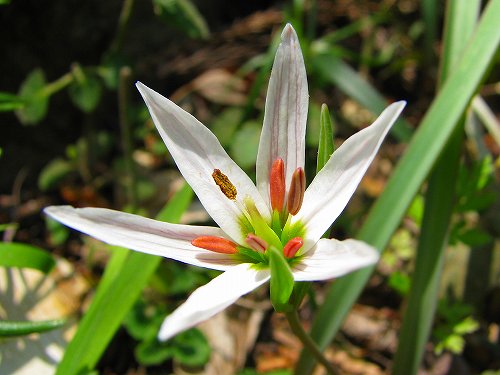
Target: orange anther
292	247
256	243
216	244
277	185
296	192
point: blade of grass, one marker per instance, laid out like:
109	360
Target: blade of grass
410	173
337	72
461	17
9	328
430	18
126	275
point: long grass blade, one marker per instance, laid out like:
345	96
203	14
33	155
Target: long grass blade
461	17
125	277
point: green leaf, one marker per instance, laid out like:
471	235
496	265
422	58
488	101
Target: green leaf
86	92
143	322
172	278
10	102
126	275
245	144
225	124
400	282
153	352
440	200
183	15
413	168
337	72
468	325
35	101
21	255
10	328
474	237
53	173
326	146
281	285
191	348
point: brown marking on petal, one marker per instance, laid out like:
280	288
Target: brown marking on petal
224	184
277	185
292	247
296	193
215	244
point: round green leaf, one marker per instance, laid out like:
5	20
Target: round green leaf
86	94
152	352
35	101
191	348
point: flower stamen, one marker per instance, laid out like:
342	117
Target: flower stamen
215	244
256	243
292	247
296	192
277	185
224	184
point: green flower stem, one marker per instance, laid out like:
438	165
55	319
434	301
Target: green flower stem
57	85
125	14
298	330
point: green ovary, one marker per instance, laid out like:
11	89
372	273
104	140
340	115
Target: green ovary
274	233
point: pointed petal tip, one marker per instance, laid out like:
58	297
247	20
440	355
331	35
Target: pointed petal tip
400	104
288	34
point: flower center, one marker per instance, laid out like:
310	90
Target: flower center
259	233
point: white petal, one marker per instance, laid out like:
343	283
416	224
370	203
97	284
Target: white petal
197	153
149	236
283	134
331	258
334	185
212	298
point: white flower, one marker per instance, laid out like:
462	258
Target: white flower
278	212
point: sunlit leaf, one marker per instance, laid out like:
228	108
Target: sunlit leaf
21	255
52	174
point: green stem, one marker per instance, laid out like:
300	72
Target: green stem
122	25
126	136
298	330
57	85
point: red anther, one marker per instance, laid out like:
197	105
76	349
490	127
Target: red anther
277	185
216	244
296	192
256	243
292	247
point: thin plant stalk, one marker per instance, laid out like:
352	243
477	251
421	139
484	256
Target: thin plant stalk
309	344
126	136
